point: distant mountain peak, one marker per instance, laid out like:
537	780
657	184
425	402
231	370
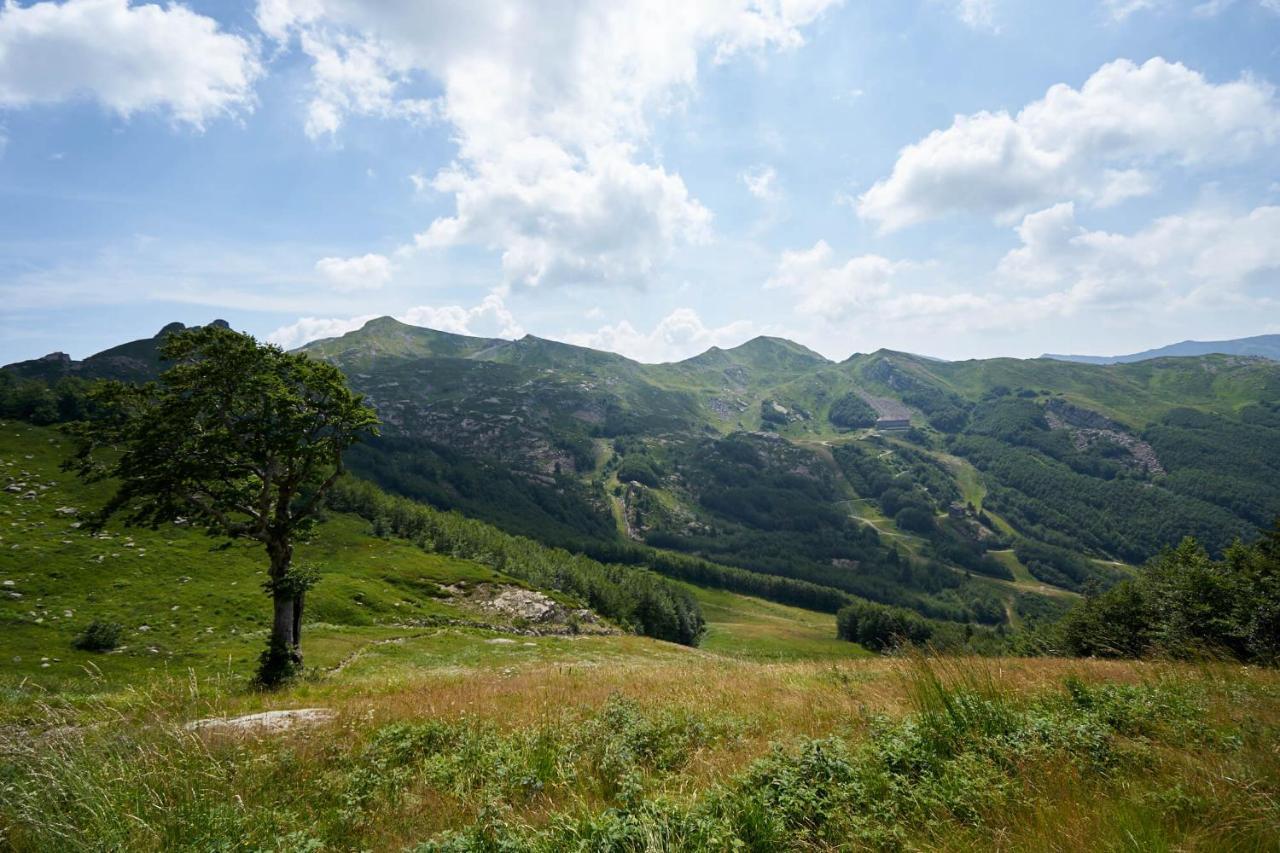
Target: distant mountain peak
1260	346
386	321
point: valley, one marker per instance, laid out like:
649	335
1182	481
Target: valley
569	601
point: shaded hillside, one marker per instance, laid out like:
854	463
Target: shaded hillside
131	362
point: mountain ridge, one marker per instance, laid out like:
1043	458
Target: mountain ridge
1259	346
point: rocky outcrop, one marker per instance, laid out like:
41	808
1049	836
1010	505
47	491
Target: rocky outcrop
526	607
1088	428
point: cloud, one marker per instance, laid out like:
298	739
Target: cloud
1120	10
490	318
308	329
978	14
1100	144
1178	265
354	76
1197	257
367	272
129	59
1212	8
762	182
557	219
679	335
550	106
832	290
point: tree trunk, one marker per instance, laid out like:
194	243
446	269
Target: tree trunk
297	620
282	626
287	623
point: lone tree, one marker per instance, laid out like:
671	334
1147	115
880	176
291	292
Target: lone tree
240	438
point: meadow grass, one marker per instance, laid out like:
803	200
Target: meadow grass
641	748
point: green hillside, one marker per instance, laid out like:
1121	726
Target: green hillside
767	457
188	602
430	721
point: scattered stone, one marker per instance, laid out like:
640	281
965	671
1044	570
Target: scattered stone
8	583
67	510
500	641
268	721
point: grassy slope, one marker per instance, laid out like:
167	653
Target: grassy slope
203	609
753	629
202	605
612	743
441	728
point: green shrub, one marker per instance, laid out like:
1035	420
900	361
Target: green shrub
99	636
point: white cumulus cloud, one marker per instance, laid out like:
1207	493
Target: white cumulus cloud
679	335
550	105
1178	267
127	58
1099	144
833	290
1202	256
489	318
366	272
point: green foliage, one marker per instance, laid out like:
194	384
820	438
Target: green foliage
1128	518
277	664
98	636
487	489
633	597
1051	564
850	411
641	469
878	628
1185	604
914	519
951	772
44	402
241	439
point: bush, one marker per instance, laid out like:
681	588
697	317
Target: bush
1184	604
98	636
276	665
851	412
877	627
914	519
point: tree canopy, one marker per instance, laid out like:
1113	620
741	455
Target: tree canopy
240	438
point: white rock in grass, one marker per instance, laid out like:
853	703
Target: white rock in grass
269	721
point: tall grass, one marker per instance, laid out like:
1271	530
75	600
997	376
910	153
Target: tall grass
1175	760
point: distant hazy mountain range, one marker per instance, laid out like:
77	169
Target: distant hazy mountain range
1264	346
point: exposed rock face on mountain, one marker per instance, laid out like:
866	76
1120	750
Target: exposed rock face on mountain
1088	428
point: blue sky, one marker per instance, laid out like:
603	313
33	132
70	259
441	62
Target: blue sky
962	178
